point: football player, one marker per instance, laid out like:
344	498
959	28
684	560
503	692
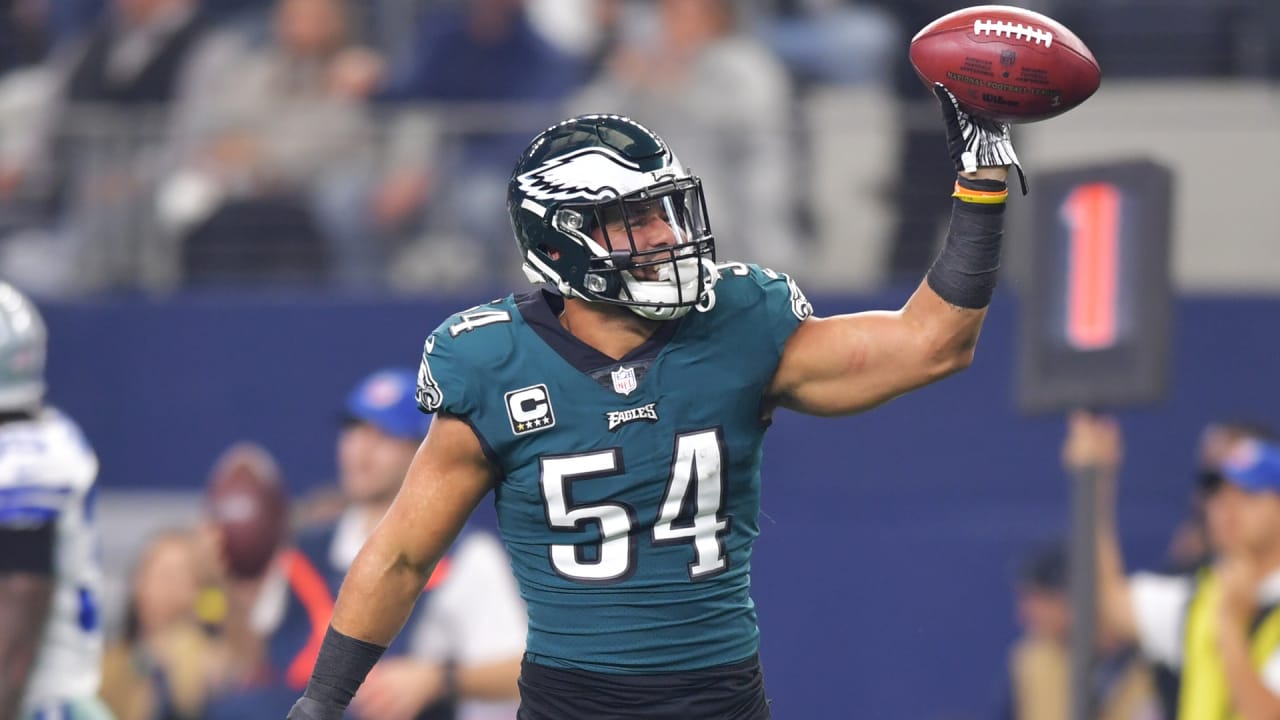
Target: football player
618	413
50	632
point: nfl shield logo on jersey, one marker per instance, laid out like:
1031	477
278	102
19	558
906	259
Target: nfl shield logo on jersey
624	380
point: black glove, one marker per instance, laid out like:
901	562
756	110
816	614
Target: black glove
974	141
309	709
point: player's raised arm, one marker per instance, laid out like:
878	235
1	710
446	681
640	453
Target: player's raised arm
848	363
449	476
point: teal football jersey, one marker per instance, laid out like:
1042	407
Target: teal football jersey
630	489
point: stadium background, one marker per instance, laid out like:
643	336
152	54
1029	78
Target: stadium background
884	571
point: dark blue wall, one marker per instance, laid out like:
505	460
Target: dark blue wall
882	573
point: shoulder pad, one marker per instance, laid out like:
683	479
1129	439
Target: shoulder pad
465	343
744	285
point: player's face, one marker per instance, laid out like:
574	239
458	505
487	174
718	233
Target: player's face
1259	518
137	11
691	23
371	463
1044	613
1222	509
309	27
650	230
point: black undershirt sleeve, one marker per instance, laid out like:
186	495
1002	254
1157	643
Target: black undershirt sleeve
27	549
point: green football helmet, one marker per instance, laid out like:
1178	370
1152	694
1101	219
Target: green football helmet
23	340
574	198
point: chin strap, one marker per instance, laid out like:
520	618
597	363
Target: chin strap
537	277
708	275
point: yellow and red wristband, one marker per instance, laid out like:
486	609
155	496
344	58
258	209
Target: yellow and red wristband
981	192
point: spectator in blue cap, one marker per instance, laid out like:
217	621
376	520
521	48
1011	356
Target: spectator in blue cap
382	431
1253	466
465	639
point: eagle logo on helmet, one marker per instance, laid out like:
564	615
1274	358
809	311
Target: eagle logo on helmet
590	175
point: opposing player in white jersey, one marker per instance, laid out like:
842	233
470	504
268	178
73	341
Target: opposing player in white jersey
50	630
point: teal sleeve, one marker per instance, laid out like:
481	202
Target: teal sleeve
443	378
782	305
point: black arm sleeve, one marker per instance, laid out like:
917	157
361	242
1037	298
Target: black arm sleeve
340	669
27	549
964	273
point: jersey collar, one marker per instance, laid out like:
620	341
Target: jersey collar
541	311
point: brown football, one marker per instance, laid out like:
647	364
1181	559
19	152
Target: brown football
1006	63
245	500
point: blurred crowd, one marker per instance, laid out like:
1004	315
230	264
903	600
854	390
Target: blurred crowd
223	617
1199	636
366	145
168	143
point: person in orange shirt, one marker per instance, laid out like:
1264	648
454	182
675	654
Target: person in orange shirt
465	638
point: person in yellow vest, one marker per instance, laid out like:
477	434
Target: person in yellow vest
1217	629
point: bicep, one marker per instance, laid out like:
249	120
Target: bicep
26	591
849	363
24	606
449	476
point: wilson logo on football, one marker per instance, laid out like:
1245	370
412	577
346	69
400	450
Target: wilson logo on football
999	28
